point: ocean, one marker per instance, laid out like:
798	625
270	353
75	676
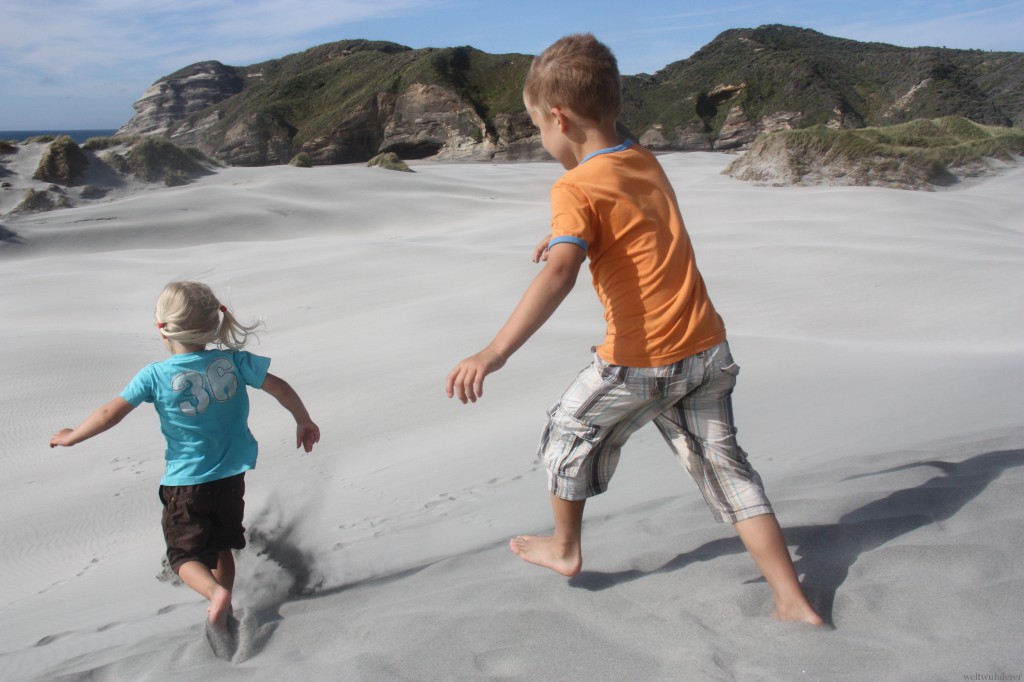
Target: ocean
78	136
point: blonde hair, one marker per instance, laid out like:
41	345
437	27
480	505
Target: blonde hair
578	72
189	313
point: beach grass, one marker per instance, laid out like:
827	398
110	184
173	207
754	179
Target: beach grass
947	141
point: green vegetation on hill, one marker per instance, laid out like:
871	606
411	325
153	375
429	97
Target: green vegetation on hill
949	141
346	101
336	87
915	154
782	68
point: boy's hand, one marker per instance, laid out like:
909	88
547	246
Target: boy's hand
466	381
540	252
307	434
62	437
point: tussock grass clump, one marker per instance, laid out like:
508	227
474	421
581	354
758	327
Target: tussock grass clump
201	157
37	201
388	161
8	146
98	144
301	160
62	162
155	159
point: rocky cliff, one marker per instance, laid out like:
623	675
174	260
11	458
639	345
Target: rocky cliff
348	101
182	94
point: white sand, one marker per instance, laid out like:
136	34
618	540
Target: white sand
882	399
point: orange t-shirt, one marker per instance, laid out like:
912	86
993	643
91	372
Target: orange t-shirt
619	206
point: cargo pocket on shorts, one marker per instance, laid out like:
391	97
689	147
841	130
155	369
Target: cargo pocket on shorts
568	442
730	369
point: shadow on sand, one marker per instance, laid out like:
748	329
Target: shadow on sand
826	552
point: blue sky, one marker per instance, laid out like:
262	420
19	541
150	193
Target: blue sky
67	64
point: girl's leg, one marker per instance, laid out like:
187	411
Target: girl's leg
225	571
196	575
562	551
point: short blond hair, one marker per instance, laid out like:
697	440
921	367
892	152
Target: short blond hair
190	313
578	72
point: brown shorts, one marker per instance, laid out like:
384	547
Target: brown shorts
201	520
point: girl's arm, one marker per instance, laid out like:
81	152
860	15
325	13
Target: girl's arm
99	421
306	433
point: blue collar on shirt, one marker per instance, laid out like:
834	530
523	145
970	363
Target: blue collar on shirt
617	148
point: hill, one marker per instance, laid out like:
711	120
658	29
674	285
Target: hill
350	100
921	154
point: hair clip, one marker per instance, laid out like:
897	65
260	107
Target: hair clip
161	325
223	308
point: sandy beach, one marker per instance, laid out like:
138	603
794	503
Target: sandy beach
881	335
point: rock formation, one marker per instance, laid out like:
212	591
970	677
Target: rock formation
921	154
182	94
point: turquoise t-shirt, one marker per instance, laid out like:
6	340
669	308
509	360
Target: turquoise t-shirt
204	411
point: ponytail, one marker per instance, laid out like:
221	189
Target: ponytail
189	313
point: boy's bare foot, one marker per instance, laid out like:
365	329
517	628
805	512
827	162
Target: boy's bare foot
220	608
544	551
798	613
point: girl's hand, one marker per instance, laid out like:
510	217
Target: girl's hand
62	437
307	434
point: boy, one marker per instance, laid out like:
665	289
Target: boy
665	357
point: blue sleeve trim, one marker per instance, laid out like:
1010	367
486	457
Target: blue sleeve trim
565	239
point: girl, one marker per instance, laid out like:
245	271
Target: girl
200	397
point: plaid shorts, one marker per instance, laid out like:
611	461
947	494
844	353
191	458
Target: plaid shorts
201	520
690	402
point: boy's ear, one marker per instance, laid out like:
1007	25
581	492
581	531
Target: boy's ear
560	118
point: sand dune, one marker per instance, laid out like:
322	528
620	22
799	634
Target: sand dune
881	334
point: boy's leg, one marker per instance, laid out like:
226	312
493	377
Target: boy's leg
763	538
200	578
701	430
561	552
580	449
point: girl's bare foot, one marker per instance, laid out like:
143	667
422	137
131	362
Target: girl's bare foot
546	552
220	608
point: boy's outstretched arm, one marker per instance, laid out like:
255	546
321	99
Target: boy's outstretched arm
306	432
545	293
99	421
